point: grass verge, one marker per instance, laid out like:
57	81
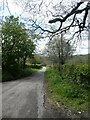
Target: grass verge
61	91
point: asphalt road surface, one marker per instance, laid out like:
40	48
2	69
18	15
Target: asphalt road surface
24	98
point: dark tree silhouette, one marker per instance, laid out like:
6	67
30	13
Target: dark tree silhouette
81	24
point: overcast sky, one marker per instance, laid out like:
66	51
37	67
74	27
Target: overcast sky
20	9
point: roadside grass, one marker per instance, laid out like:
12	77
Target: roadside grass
63	92
21	73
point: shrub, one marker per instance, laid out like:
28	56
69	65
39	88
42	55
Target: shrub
15	72
77	74
66	89
6	76
81	74
37	66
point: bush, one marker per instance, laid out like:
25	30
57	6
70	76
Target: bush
77	74
14	70
37	66
6	76
81	74
16	73
25	72
65	87
76	92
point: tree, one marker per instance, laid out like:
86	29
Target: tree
59	50
75	21
16	43
70	16
27	50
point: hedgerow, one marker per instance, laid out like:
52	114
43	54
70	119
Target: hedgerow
78	74
70	85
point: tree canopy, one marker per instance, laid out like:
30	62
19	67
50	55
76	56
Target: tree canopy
17	45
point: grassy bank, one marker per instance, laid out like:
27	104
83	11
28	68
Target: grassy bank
19	73
64	90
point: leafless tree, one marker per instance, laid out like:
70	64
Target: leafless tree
55	18
80	23
65	18
58	50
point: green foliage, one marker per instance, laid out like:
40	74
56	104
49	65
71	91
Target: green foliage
37	59
66	89
6	76
36	66
82	74
17	46
78	74
17	72
16	43
25	72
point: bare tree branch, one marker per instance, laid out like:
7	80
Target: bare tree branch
8	8
74	11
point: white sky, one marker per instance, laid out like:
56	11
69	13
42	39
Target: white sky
16	10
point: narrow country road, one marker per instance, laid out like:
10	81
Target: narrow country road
24	98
